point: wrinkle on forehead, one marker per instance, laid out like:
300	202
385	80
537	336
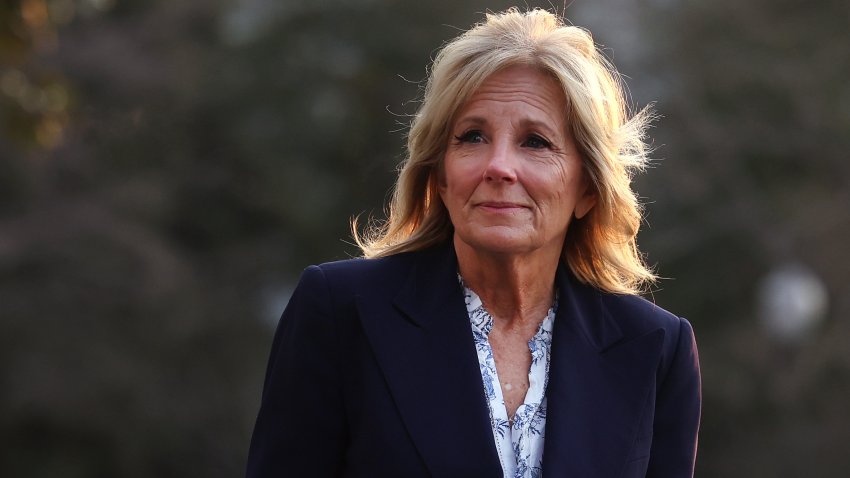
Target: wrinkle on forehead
524	84
521	84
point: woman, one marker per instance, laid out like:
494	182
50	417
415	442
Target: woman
493	328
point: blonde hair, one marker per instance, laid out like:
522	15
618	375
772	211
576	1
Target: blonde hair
600	248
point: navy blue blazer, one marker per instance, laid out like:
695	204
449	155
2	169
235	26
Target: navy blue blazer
373	373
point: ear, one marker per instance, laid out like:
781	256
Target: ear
585	203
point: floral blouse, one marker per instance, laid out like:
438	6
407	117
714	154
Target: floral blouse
519	442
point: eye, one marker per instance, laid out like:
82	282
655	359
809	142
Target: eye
536	142
472	136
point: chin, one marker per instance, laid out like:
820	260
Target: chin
499	243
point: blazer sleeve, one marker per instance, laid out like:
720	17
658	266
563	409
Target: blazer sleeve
300	429
677	411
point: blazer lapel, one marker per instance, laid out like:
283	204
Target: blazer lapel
598	384
423	343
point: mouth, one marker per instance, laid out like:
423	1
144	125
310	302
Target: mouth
500	206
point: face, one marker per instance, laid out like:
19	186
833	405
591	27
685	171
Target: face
512	176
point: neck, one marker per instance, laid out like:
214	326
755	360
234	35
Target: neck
516	289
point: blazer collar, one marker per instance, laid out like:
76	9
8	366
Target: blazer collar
431	286
434	283
423	343
582	307
599	382
598	379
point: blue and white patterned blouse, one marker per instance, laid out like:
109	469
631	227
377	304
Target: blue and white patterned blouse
520	444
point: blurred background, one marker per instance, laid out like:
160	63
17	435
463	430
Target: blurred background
167	169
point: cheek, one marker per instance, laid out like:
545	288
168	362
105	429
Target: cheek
458	177
559	181
562	188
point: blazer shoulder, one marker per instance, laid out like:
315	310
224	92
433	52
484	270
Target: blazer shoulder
362	265
359	275
636	315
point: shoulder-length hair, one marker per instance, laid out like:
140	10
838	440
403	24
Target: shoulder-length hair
600	248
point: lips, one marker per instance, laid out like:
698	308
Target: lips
500	205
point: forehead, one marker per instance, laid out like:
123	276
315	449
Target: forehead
523	89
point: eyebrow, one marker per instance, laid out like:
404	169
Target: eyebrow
527	123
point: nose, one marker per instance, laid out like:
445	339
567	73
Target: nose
500	164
